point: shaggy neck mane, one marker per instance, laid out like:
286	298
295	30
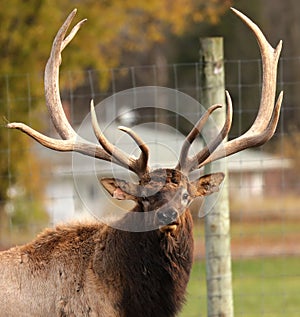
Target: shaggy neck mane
157	281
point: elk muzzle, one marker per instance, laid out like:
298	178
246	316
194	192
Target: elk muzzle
167	216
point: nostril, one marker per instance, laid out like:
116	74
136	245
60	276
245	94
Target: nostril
167	216
173	214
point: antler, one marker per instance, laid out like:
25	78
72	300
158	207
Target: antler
260	132
71	141
265	123
187	164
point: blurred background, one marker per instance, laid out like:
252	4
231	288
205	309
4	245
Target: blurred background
128	44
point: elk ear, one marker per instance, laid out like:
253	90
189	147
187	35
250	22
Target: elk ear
207	184
119	189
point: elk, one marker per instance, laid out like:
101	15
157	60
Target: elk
92	269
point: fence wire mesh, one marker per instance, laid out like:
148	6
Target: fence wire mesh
263	183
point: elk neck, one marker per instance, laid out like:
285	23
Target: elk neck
154	269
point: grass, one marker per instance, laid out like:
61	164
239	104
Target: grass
261	287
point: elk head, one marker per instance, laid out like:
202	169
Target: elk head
168	192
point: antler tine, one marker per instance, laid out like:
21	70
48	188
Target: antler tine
266	121
193	162
140	165
184	161
52	95
270	57
69	145
210	148
141	162
51	78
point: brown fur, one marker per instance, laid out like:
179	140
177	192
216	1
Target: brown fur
96	270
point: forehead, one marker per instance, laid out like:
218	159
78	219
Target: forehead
165	175
163	180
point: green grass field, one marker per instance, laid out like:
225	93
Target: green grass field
261	287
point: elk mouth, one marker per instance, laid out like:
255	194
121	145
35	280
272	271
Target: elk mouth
173	226
168	228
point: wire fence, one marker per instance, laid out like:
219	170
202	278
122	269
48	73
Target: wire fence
263	183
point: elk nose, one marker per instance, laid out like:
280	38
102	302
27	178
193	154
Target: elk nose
167	216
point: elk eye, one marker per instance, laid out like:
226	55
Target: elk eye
185	196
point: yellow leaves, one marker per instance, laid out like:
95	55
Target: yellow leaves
27	29
153	20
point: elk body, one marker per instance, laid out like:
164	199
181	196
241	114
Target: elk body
93	269
96	270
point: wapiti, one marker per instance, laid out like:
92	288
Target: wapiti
96	270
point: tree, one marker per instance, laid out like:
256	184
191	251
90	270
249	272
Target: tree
113	27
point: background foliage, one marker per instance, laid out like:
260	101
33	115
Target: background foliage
114	29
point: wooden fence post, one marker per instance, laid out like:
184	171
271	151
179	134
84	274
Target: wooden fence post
217	224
